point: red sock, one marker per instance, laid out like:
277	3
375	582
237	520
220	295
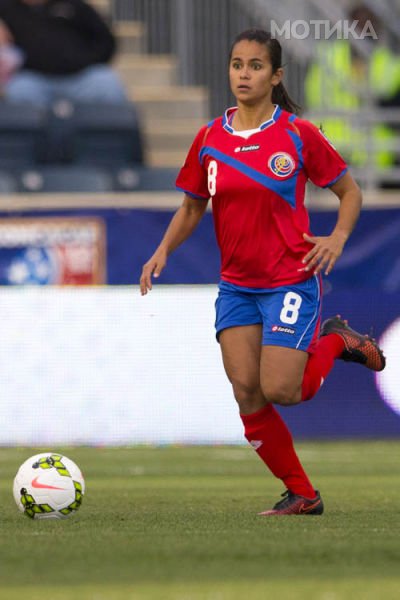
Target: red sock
269	436
320	363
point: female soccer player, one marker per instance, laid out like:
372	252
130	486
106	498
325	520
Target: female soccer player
254	163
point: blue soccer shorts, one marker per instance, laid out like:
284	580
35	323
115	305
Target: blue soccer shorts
290	315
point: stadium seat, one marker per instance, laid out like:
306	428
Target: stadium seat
153	179
64	179
59	133
8	184
22	129
106	135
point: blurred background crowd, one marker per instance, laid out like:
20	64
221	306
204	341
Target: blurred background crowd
107	95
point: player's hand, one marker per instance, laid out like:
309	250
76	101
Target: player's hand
153	267
324	254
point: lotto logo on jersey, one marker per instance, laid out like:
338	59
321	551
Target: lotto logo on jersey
281	164
250	148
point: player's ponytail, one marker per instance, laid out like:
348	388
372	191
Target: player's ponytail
280	95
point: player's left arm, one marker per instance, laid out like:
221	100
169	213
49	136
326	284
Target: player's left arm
327	249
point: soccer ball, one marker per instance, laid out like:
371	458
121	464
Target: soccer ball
48	486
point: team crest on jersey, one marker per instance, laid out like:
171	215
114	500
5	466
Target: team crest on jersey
281	164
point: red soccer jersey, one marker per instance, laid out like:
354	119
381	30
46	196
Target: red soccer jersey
257	185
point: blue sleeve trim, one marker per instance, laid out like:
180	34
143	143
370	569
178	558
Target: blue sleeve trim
336	178
191	194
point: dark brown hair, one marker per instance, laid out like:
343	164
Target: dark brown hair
280	95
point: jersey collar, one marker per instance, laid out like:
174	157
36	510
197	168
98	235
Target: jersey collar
229	113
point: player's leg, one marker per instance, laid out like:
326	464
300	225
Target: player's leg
358	348
263	426
294	361
291	376
338	340
290	326
281	374
241	351
239	331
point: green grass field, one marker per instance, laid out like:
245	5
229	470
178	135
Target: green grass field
180	523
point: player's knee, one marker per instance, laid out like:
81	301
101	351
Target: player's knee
247	395
282	394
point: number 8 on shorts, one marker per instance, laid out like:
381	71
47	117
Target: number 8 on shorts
290	311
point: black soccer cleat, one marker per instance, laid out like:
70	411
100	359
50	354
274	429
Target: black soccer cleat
359	348
292	504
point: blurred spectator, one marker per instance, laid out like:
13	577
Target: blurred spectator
52	49
344	79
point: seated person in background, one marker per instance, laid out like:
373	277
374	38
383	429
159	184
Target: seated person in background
56	49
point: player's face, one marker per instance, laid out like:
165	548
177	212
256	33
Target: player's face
250	73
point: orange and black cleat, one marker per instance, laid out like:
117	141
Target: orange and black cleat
293	504
359	348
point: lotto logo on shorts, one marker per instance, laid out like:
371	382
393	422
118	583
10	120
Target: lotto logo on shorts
283	329
281	164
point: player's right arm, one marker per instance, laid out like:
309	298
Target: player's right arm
182	225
